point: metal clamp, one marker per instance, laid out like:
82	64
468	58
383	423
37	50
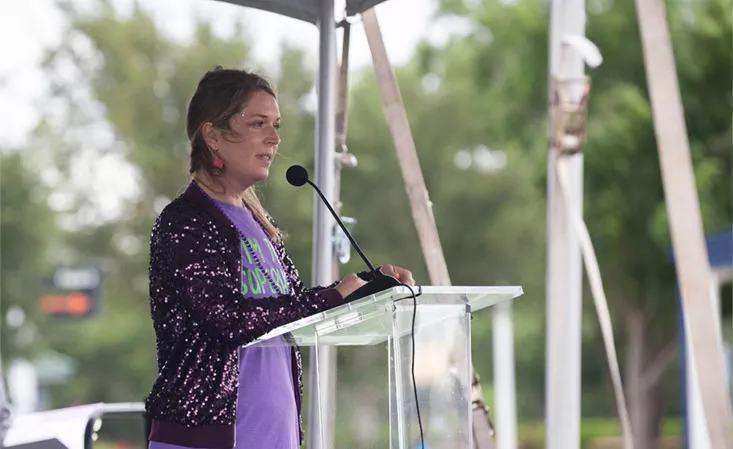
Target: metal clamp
344	158
569	113
341	244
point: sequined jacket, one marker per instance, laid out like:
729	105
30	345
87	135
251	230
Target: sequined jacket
201	318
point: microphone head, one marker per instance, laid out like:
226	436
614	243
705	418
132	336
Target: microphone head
297	175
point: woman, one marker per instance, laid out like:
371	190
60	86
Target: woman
220	277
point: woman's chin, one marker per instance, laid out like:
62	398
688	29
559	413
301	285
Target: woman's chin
263	174
249	179
259	175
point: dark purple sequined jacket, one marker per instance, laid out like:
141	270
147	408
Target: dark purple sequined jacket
201	318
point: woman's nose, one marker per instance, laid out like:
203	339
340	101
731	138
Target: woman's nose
274	136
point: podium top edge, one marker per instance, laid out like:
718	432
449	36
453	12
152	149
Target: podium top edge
462	289
369	318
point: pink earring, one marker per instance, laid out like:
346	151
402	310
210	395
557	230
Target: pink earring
218	163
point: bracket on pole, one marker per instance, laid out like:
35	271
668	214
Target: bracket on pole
585	48
341	244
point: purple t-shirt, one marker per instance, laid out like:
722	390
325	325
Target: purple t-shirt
267	415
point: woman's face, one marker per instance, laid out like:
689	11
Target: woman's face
248	149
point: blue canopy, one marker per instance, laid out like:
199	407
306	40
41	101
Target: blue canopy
720	249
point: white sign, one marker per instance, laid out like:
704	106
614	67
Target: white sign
76	278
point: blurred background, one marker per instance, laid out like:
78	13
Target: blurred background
93	95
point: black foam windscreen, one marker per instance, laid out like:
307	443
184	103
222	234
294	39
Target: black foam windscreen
296	175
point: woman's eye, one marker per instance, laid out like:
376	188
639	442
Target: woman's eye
260	123
277	126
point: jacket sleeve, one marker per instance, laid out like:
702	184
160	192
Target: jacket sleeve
191	264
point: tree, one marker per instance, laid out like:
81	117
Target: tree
29	237
129	92
135	94
488	219
624	203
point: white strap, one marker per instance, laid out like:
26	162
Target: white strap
599	298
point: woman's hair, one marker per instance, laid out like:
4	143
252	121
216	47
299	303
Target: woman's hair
220	95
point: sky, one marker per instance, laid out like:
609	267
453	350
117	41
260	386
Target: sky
29	27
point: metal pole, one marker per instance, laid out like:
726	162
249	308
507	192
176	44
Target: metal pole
341	159
4	407
684	371
564	263
322	221
504	387
697	423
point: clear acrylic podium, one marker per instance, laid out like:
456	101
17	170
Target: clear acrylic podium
442	354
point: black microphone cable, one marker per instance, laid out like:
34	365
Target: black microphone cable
412	367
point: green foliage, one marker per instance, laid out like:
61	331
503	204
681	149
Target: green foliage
502	60
532	435
485	90
27	233
142	80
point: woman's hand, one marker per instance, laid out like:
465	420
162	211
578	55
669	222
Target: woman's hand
398	273
349	284
353	282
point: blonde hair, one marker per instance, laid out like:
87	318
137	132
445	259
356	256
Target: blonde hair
252	201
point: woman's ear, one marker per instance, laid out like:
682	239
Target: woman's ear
210	135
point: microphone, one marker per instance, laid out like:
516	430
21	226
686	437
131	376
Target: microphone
298	176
